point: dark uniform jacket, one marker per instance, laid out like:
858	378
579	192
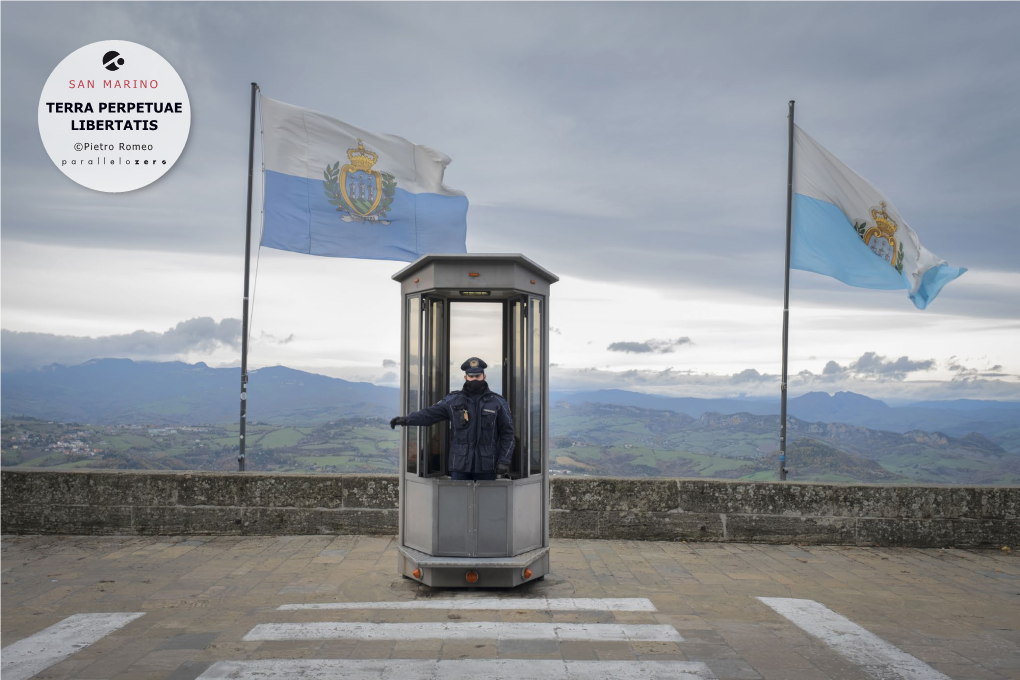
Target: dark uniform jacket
482	429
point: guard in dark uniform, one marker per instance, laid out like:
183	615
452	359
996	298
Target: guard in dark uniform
482	437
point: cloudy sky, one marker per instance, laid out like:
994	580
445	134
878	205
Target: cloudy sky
636	150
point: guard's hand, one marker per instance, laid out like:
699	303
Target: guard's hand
399	420
502	468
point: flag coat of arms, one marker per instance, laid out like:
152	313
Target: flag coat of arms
336	190
845	228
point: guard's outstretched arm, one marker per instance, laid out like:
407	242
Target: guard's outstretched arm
430	415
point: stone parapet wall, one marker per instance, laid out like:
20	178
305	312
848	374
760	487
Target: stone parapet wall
785	512
174	503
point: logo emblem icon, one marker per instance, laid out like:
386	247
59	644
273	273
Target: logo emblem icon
112	60
474	363
881	238
360	193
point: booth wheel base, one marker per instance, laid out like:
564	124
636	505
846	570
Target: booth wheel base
473	572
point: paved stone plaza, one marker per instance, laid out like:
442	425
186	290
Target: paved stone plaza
207	607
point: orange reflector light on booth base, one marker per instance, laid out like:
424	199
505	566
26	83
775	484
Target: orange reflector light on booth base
416	573
471	577
526	573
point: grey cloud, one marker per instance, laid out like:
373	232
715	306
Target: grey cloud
630	347
971	373
832	369
751	375
275	340
871	365
389	363
202	334
649	346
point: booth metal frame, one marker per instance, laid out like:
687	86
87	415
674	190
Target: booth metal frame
482	533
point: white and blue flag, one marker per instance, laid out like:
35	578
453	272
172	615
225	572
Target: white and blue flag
336	190
845	228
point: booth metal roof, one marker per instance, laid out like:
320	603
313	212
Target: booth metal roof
517	258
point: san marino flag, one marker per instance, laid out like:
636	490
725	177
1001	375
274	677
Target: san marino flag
336	190
845	228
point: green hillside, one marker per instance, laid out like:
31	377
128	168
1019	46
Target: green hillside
585	439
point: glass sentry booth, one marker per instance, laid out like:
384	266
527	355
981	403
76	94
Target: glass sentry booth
485	533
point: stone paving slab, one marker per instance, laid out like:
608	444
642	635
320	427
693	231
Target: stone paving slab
956	611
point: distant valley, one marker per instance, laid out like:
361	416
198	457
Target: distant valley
306	422
608	439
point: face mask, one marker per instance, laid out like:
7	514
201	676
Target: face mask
475	386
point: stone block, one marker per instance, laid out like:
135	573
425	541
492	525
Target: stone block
382	522
210	489
660	526
918	502
997	502
573	524
615	493
20	518
281	521
39	487
785	529
265	490
132	488
938	533
64	519
72	519
808	499
793	499
175	520
370	491
643	526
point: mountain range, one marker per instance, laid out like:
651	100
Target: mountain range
997	420
121	391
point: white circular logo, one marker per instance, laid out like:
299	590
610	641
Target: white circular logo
114	116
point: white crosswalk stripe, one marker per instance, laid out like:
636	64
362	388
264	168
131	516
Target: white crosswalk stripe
488	631
468	669
27	657
875	656
473	630
618	604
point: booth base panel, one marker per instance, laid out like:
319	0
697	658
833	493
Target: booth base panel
493	572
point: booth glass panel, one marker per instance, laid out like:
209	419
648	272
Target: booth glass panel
537	393
436	436
517	392
476	330
413	377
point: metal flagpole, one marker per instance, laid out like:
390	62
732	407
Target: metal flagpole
786	302
247	268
